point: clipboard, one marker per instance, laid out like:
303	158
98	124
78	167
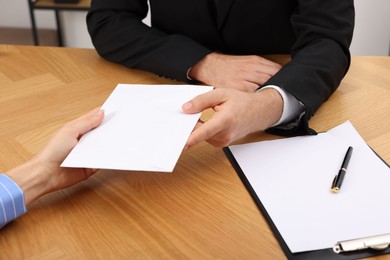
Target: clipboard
318	254
328	253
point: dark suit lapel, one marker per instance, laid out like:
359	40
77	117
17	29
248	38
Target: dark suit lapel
223	11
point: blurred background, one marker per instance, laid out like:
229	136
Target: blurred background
371	36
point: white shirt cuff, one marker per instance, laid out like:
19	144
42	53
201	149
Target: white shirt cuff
291	106
188	74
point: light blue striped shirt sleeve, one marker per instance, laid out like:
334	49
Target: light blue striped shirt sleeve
11	200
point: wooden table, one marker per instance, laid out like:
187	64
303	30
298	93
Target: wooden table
200	211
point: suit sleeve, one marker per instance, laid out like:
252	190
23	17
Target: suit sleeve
119	35
320	57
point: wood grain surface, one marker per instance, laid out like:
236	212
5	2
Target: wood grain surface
200	211
50	4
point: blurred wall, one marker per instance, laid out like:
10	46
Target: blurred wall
371	37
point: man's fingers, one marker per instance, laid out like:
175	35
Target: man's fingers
204	101
204	132
198	124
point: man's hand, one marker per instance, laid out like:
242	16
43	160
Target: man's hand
244	73
237	114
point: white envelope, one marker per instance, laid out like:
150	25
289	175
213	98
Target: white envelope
144	129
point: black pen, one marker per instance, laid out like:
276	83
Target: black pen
338	179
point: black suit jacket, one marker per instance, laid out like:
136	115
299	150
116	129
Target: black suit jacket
316	33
